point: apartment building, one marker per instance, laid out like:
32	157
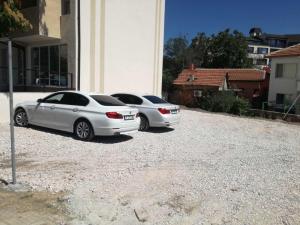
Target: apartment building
285	78
89	45
261	44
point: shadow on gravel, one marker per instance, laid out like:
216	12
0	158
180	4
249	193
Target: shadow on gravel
160	130
22	208
97	139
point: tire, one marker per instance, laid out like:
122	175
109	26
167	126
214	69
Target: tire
83	130
144	124
20	118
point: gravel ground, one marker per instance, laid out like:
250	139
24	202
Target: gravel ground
212	169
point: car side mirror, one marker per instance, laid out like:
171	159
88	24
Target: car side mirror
40	100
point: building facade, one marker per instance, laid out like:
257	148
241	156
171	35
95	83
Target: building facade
191	84
261	44
285	78
92	45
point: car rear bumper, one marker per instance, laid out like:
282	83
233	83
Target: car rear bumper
167	121
117	130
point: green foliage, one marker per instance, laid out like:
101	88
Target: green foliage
176	57
240	107
11	19
225	50
224	101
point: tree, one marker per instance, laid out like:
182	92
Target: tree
225	50
11	19
176	57
200	48
228	50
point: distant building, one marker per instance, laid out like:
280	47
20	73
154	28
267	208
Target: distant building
251	84
285	77
261	44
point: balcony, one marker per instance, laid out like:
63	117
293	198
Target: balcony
45	19
32	80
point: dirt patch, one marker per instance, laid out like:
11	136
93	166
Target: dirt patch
26	208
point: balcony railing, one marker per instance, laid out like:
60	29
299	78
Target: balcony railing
33	80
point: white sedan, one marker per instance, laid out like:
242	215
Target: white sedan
154	111
85	115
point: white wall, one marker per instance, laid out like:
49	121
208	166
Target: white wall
122	45
282	85
18	98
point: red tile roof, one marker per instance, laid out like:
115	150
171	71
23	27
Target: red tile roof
286	52
216	77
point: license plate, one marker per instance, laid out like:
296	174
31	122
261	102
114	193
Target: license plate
128	117
174	111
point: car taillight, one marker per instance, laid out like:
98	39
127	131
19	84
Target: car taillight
164	111
114	115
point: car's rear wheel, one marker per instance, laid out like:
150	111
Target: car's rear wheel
144	125
21	118
83	130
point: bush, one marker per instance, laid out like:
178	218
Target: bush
224	101
240	107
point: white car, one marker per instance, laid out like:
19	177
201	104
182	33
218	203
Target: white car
85	115
154	111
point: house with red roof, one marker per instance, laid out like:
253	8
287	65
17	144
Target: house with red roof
285	78
248	83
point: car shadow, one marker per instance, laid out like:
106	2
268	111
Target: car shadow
159	130
96	139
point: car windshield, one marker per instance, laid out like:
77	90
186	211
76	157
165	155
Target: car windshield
107	100
155	99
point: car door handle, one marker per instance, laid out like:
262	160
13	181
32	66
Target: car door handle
75	109
52	107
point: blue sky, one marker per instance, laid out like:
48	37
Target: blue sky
188	17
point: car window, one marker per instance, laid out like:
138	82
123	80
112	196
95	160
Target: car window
74	99
154	99
129	99
107	100
56	98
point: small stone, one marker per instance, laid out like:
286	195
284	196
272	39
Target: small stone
141	214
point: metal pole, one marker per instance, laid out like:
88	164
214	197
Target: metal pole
12	132
296	99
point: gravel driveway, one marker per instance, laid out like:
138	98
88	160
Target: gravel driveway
212	169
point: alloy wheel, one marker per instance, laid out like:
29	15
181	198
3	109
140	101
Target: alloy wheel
83	130
21	118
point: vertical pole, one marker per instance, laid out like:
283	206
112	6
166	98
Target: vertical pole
12	132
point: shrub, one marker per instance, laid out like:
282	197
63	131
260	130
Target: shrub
224	101
240	107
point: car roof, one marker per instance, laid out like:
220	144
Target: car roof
131	93
80	92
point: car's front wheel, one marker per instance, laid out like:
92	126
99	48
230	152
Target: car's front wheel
83	130
21	118
144	125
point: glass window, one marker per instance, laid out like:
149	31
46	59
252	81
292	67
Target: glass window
155	99
23	4
129	99
262	51
279	99
74	99
54	65
261	62
50	65
250	49
65	7
273	49
107	100
279	70
55	98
